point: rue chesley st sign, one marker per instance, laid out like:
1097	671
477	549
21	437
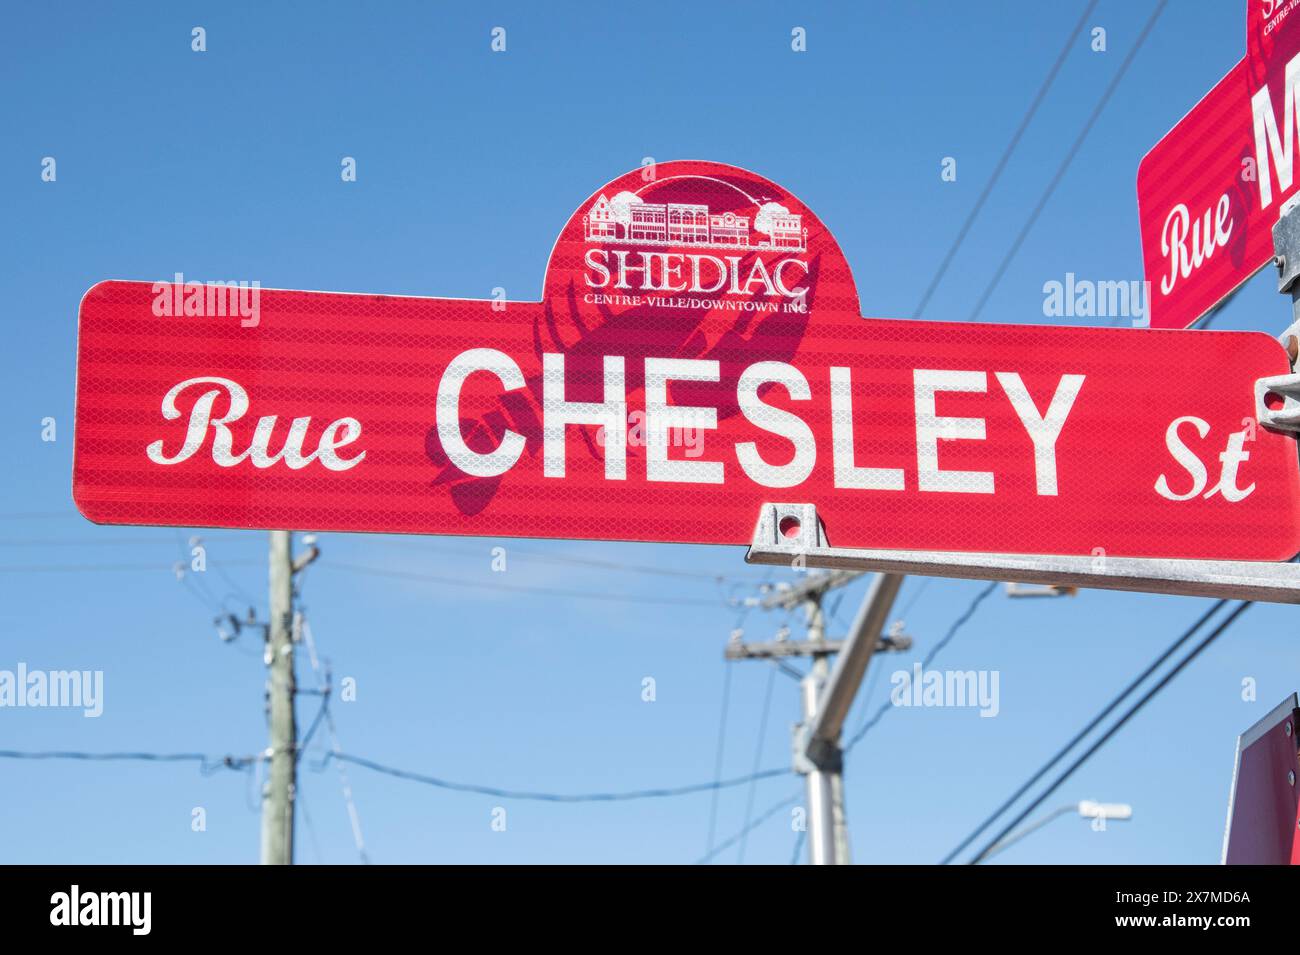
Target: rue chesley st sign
698	350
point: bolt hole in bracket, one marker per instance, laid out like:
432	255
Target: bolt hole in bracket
793	535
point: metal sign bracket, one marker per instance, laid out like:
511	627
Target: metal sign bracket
793	535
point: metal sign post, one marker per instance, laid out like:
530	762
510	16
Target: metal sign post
826	694
789	532
786	532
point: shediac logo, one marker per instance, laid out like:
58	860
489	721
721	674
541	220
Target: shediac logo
712	252
103	908
1274	12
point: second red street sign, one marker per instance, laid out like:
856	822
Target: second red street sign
1210	191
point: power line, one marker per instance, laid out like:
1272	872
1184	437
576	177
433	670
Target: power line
554	797
107	540
545	557
1069	158
190	588
213	763
323	684
316	721
928	659
717	761
1079	736
1002	162
207	764
239	591
758	758
300	797
531	555
798	846
902	614
766	815
185	551
1119	724
521	588
36	515
98	568
868	692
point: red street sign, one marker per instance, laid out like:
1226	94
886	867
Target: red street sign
1210	191
1264	808
698	350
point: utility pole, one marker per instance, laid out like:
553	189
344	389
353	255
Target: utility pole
827	694
820	733
282	775
824	782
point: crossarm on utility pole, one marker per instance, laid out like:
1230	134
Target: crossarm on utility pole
850	667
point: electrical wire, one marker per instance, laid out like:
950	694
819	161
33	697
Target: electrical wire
538	556
927	660
316	721
571	559
758	758
1069	158
766	815
1006	156
533	796
207	764
323	684
213	763
520	588
184	565
239	591
300	800
1088	728
911	601
108	540
721	750
1110	733
100	568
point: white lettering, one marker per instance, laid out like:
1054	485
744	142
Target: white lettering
931	429
777	421
1045	430
503	458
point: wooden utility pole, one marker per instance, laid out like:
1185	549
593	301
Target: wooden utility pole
280	791
281	778
827	693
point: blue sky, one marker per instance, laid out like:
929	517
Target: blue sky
225	164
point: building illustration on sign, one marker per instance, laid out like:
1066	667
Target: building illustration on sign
627	218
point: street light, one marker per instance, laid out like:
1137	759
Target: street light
1105	810
1099	812
1041	590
